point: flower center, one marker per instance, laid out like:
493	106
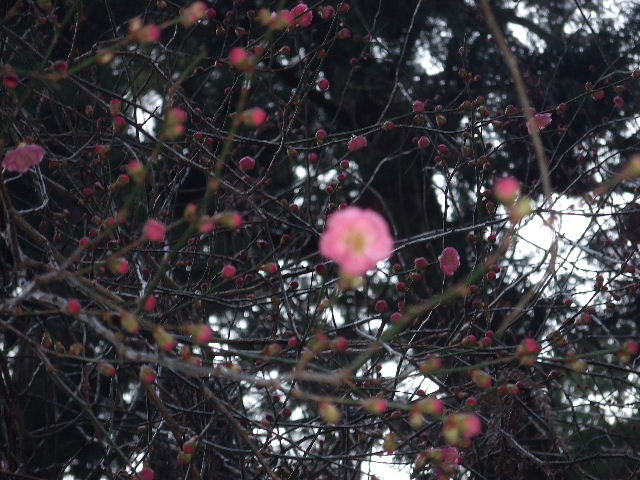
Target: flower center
356	241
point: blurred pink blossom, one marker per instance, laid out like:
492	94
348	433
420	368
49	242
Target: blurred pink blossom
22	158
302	15
155	230
506	189
449	261
539	122
356	239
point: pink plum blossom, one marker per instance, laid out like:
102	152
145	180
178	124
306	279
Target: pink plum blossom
449	261
302	15
506	189
23	157
356	239
540	121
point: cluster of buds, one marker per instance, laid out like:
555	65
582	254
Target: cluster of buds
275	20
459	428
431	406
193	14
174	123
445	460
528	351
144	33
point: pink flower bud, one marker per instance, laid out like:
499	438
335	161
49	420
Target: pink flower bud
382	306
254	117
323	84
154	230
106	368
423	142
506	190
431	406
9	77
528	351
321	135
229	220
146	474
73	307
340	344
241	59
202	334
376	406
327	12
302	15
229	271
118	266
418	106
247	164
481	379
129	323
421	263
147	375
190	445
269	268
164	339
357	143
150	303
